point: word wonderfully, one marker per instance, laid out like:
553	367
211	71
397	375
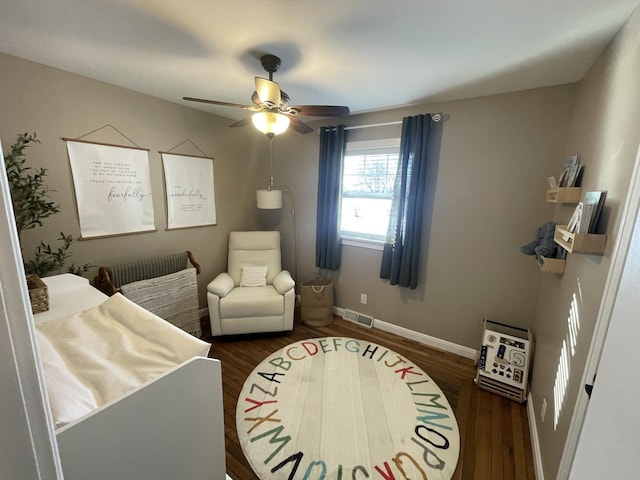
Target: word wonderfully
190	194
432	440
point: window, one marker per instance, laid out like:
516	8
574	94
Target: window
368	180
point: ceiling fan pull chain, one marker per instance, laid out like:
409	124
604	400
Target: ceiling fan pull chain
270	161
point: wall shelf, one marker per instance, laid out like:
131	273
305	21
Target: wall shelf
588	243
552	265
563	195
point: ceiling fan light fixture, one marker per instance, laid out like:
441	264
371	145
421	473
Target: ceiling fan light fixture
270	123
274	105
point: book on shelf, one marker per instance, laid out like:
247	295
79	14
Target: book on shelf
575	176
587	210
596	198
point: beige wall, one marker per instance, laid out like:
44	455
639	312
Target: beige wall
605	130
489	197
55	104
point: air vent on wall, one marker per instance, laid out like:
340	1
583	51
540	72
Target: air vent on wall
359	318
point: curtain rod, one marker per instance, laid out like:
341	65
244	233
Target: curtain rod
436	117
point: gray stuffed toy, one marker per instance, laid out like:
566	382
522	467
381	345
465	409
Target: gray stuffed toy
543	243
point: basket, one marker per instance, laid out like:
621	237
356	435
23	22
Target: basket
317	302
38	294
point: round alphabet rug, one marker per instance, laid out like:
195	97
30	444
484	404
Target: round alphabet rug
341	409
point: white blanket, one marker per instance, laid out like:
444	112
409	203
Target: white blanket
98	355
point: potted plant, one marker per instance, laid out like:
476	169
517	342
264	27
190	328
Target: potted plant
31	205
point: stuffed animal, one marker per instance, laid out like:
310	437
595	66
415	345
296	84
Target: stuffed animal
542	243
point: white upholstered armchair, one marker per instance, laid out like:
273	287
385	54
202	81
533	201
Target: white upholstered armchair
255	294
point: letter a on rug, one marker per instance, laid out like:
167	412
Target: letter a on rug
339	408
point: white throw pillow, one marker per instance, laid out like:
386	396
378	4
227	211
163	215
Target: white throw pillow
253	276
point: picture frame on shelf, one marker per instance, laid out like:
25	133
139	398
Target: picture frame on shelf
570	172
575	219
562	181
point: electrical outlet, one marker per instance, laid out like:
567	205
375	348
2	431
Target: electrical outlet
363	298
543	409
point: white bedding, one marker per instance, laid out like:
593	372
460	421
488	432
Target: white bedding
96	356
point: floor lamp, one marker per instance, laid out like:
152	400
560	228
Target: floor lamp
271	199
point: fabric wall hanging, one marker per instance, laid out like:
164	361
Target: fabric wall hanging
112	188
189	186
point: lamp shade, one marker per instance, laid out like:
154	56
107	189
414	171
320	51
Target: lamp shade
270	123
269	199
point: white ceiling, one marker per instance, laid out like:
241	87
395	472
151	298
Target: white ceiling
367	54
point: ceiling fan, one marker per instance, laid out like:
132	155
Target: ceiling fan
273	112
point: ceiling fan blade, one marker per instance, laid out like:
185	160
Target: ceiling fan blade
268	92
299	126
241	123
320	110
215	102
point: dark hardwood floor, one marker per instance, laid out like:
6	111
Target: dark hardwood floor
494	431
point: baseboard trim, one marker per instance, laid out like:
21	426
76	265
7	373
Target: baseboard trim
420	337
535	441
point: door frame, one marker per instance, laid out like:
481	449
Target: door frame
17	336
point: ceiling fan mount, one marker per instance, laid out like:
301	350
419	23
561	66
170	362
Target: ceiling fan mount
271	64
269	100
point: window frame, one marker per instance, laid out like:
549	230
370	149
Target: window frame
361	146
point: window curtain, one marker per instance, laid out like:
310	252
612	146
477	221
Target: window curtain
401	252
333	141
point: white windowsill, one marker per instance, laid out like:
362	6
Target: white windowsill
362	243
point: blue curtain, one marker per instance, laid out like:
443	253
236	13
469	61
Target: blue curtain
401	252
333	142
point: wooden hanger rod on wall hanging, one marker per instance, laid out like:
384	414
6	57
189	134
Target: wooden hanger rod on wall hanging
108	125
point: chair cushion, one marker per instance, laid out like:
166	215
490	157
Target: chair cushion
252	301
254	248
